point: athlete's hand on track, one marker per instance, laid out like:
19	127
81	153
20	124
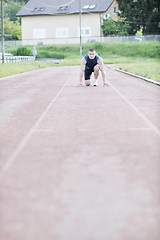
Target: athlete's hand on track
106	84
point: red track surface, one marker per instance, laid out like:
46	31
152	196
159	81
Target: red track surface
79	163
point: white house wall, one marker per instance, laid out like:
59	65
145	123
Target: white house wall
63	28
46	27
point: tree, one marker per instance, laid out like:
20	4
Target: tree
11	22
11	28
110	27
141	14
11	8
19	1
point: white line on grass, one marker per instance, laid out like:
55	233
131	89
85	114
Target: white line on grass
26	138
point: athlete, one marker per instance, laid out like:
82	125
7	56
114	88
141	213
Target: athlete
92	63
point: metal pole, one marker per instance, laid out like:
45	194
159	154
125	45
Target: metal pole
80	29
100	18
2	31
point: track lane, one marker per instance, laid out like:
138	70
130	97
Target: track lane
89	169
21	107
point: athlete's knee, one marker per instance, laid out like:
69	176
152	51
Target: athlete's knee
96	68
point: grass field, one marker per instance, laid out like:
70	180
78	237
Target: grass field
147	69
8	69
141	58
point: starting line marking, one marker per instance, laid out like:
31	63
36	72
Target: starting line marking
140	129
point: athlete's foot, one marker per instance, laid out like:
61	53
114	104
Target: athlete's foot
95	82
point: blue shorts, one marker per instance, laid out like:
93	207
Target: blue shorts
87	73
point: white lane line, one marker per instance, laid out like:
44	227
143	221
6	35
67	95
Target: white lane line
140	129
27	82
143	108
20	84
136	110
22	144
137	76
151	87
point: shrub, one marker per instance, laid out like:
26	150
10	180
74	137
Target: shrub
50	54
22	51
13	29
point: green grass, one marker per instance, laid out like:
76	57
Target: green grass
124	49
145	68
141	58
8	69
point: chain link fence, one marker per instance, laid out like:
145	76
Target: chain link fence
65	41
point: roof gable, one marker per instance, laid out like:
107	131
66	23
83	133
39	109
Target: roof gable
53	7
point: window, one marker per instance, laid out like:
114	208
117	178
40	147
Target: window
40	9
86	7
115	9
63	8
92	6
61	32
107	16
85	32
39	33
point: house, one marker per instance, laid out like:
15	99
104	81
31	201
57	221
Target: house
59	22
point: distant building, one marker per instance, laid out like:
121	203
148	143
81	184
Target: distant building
54	21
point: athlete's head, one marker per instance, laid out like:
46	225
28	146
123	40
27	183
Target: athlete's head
91	53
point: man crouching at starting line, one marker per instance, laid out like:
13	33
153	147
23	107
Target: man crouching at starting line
92	63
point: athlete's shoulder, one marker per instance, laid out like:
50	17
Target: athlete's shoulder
97	57
100	61
83	61
86	57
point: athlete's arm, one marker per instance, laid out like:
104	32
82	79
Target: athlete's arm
101	67
83	64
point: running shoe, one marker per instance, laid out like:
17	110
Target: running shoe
95	83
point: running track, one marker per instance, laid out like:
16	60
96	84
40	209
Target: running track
79	163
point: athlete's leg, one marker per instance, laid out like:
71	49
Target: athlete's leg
87	75
96	71
96	74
